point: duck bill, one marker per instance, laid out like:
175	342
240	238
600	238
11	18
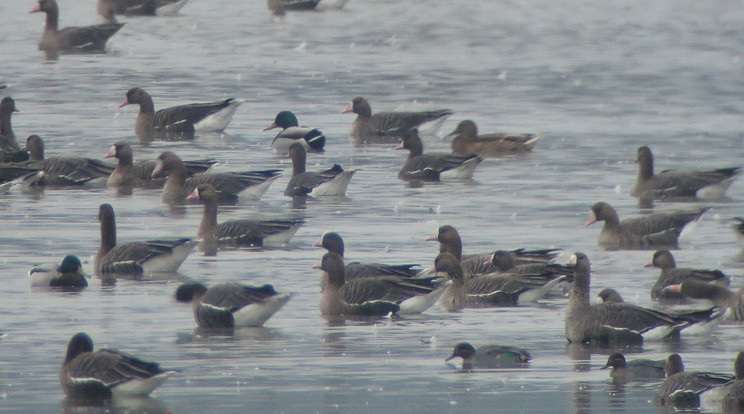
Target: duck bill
606	366
272	126
451	357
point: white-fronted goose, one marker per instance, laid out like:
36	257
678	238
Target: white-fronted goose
109	8
137	258
332	302
669	184
10	151
68	274
231	305
434	166
609	295
230	186
333	242
733	393
59	171
673	275
84	39
467	141
331	182
253	233
650	231
505	262
106	373
310	138
280	7
489	356
728	301
738	227
178	122
129	174
617	323
387	127
636	370
683	389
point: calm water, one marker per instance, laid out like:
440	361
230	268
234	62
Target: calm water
596	79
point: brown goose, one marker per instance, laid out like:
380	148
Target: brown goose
333	242
667	184
733	393
505	262
467	141
673	275
231	305
86	39
109	8
60	171
730	302
10	151
129	174
137	258
434	166
683	389
230	186
650	231
331	182
617	323
254	233
332	300
280	7
178	122
387	127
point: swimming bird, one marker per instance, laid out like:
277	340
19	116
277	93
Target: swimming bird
467	141
387	127
733	393
609	295
230	186
331	182
310	138
68	274
137	258
333	242
243	232
623	371
668	184
612	322
434	166
280	7
683	389
231	305
62	170
729	302
106	373
738	227
10	151
650	231
109	8
332	301
84	39
489	356
673	275
178	122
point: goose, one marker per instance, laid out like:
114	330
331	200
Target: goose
108	8
489	356
683	389
230	186
728	301
332	182
733	393
231	305
387	127
62	170
10	151
623	371
68	274
137	258
650	231
467	141
310	138
434	166
673	275
738	227
106	373
178	122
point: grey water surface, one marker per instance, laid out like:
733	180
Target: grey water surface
594	79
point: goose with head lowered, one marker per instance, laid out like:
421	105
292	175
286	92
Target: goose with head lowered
331	182
310	138
673	275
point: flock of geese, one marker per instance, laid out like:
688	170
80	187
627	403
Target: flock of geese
456	280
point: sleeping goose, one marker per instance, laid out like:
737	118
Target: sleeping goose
673	275
68	274
310	138
467	141
434	166
331	182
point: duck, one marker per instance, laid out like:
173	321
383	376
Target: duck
310	138
62	170
623	371
137	258
467	141
489	356
493	290
333	242
129	174
387	127
10	151
254	233
231	305
84	39
668	184
647	232
434	166
609	295
729	302
68	274
106	373
108	8
331	182
178	122
673	275
618	323
230	186
684	389
332	300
